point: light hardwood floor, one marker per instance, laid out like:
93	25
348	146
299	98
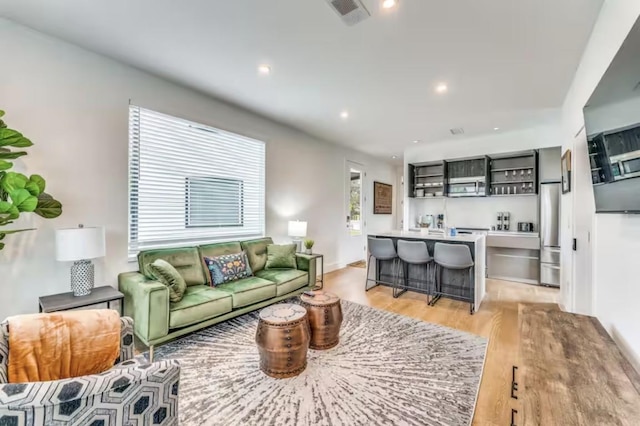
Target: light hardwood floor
497	320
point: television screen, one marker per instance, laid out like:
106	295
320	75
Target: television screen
612	122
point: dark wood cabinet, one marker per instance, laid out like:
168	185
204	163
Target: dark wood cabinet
471	168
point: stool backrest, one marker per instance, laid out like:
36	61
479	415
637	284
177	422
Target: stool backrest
413	251
381	248
453	256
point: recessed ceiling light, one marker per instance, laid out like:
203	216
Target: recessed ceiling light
416	141
394	157
388	4
264	69
496	128
344	115
442	88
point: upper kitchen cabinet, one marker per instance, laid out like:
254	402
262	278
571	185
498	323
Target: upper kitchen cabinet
427	180
467	177
514	174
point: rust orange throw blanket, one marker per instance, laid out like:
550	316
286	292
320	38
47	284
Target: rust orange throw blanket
54	346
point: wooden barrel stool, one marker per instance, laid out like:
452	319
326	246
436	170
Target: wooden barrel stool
325	318
283	338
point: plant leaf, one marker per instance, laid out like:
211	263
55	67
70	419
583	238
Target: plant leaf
1	246
33	188
14	231
8	137
5	206
2	124
13	181
5	165
1	113
8	155
48	207
23	200
38	180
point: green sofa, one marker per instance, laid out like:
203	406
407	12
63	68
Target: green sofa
157	320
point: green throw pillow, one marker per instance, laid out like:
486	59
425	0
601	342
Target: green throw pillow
281	256
164	272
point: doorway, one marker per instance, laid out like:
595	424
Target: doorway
355	213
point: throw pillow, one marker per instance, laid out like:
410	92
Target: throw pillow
281	256
227	268
165	273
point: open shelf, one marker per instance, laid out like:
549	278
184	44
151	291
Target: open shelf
509	169
429	175
512	182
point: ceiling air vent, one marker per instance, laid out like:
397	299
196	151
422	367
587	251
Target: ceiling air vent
457	131
350	11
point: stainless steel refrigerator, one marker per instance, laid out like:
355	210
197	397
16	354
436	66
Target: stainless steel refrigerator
550	234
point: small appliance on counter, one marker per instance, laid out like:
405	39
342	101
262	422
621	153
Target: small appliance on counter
502	223
440	221
525	227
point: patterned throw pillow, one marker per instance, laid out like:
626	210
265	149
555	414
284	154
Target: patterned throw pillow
227	268
281	256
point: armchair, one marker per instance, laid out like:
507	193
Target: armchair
132	392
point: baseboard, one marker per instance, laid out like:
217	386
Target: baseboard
631	350
334	266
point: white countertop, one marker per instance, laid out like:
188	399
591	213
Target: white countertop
470	238
515	234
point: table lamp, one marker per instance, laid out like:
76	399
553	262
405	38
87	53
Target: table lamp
80	245
297	230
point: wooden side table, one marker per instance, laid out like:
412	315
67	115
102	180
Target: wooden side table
283	338
67	301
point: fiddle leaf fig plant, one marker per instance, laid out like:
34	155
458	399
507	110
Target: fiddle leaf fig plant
19	193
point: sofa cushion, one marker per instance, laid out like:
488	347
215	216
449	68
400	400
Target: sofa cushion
287	280
281	256
248	291
186	261
200	302
219	249
163	272
227	268
256	252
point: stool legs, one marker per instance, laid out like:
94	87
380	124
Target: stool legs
438	287
366	281
400	266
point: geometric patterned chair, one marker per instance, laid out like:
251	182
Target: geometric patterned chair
133	392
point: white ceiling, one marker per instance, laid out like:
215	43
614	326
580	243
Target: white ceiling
508	63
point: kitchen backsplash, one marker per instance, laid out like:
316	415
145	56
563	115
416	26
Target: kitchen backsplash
476	212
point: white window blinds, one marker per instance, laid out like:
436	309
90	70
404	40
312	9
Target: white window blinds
191	184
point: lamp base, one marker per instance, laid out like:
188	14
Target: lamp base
82	277
298	244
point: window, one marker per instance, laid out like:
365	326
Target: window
191	184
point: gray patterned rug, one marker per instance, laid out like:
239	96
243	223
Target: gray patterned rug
387	370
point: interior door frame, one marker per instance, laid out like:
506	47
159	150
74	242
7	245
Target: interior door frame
350	164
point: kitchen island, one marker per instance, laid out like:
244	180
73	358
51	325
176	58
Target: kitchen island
454	282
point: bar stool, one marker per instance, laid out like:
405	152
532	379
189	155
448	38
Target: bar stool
456	257
381	249
413	253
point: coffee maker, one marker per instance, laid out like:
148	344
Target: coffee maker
503	221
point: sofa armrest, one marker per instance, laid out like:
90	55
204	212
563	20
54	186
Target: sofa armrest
307	263
83	399
147	302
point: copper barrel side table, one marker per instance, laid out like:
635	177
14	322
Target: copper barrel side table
325	318
283	338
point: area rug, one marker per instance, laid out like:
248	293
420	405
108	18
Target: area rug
387	370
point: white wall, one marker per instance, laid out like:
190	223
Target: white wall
607	244
479	212
74	105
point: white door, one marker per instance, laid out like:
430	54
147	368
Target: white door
355	223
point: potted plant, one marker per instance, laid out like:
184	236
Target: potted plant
308	244
19	193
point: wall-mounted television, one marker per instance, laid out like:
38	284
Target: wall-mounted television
612	123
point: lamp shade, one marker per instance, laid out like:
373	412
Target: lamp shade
297	228
79	244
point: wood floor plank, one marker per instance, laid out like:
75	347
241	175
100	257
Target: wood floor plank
497	320
573	373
